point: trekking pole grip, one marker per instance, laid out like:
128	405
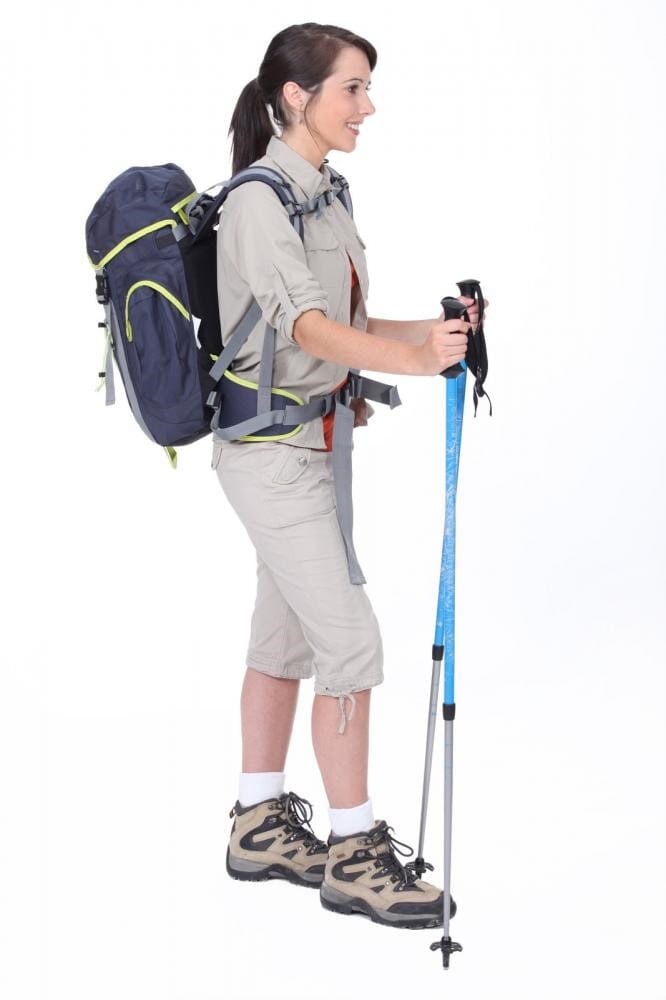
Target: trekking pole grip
453	309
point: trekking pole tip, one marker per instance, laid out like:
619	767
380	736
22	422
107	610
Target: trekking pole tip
419	865
447	947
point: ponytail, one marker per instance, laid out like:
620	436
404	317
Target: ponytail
251	127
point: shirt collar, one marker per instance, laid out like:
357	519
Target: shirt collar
311	181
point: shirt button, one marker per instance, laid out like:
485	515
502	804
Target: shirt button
302	460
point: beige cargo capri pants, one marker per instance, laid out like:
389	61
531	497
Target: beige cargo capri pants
308	618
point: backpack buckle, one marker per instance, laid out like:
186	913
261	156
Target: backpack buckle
102	288
350	390
355	383
214	399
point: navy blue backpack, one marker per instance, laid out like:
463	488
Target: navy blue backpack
151	238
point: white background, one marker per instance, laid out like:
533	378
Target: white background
518	143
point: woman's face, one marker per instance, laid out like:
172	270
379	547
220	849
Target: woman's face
343	99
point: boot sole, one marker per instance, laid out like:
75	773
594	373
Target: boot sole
250	871
338	902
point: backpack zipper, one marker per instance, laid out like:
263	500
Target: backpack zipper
158	288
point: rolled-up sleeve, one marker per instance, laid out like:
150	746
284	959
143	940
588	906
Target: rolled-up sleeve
256	238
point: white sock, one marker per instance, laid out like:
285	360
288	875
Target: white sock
255	786
344	822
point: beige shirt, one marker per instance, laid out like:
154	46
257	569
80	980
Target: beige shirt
261	256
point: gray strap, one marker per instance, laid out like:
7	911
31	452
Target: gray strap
241	333
179	231
270	173
266	371
108	369
379	392
300	413
343	427
317	204
343	188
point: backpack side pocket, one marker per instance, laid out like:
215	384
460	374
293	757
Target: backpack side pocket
160	347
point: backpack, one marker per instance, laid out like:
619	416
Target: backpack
151	239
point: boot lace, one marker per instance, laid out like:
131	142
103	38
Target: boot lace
297	813
386	853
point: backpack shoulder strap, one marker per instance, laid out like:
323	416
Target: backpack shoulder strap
343	188
203	210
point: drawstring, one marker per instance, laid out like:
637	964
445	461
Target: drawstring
341	699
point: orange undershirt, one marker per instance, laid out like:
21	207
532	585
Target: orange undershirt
330	417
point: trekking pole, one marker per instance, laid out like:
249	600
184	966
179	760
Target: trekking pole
444	644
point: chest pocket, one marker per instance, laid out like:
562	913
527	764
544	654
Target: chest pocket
318	235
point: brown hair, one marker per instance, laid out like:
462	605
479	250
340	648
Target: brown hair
303	53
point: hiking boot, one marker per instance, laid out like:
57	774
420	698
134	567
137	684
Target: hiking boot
274	839
363	875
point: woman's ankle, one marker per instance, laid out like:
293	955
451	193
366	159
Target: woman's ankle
257	786
345	822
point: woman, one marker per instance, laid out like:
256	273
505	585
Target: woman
309	618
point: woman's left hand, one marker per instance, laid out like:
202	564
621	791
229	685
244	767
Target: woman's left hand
362	411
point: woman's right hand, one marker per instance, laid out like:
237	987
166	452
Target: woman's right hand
445	345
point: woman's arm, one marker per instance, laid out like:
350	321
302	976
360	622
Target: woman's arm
415	331
322	337
410	331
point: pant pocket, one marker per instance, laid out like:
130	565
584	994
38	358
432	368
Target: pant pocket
292	465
